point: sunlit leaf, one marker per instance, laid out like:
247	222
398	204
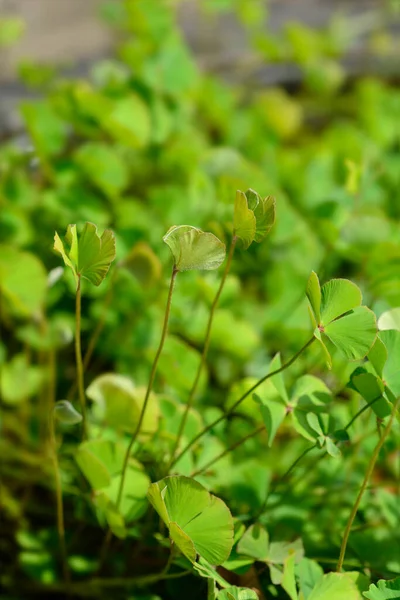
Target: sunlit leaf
390	320
333	586
313	293
354	334
255	542
203	518
244	220
338	296
88	255
384	590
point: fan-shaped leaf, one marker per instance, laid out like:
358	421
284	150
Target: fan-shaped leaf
338	296
193	248
390	319
89	255
354	334
385	590
187	507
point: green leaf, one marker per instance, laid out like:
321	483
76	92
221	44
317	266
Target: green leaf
90	255
255	542
66	413
378	356
265	217
202	517
183	541
244	221
338	296
129	121
390	320
237	593
385	590
288	579
23	282
143	264
273	413
11	30
391	371
311	396
309	573
331	448
354	334
193	248
47	130
313	293
104	167
333	586
118	403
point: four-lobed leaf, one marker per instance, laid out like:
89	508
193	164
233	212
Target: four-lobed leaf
193	248
198	522
337	315
253	217
88	255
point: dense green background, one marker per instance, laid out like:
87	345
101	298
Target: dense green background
147	142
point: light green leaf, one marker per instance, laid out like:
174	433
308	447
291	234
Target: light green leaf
23	281
244	221
391	371
385	590
354	334
66	413
335	586
390	319
88	255
288	579
265	217
237	593
202	517
104	167
338	296
313	293
193	248
118	403
183	541
309	573
273	413
255	542
129	121
378	356
331	448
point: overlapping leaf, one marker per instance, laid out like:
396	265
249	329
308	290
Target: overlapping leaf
337	315
253	217
88	255
198	522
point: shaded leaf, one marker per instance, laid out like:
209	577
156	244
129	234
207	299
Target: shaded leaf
244	221
66	413
255	542
193	248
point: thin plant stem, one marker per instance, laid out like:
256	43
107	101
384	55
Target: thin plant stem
303	454
240	400
78	357
59	500
150	384
143	411
97	331
228	450
370	468
206	346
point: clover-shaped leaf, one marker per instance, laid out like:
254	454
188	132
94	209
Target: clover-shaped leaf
88	255
198	522
337	314
193	248
66	413
253	217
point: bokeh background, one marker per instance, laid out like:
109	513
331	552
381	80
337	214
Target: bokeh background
141	114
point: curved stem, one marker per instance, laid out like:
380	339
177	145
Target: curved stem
228	450
240	400
78	357
59	500
150	384
206	346
367	476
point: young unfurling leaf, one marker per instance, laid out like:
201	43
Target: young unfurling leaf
193	248
88	255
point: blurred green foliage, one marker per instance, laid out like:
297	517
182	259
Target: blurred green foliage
149	141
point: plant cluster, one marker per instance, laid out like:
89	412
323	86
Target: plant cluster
232	433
